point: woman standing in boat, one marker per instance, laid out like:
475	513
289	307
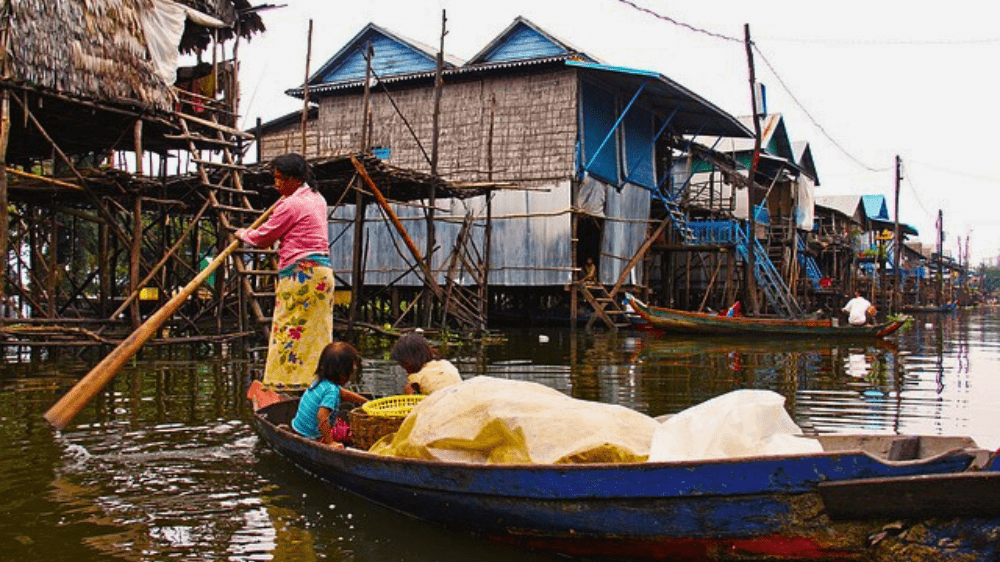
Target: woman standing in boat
303	313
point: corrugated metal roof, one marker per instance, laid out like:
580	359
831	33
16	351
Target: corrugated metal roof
524	40
844	204
417	76
695	114
394	55
769	125
875	207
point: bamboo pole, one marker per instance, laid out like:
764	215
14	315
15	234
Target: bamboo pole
305	90
428	274
751	269
63	411
4	211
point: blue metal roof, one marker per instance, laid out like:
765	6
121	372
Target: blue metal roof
524	40
695	115
392	55
875	207
523	43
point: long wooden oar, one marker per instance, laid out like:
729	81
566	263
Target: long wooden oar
63	411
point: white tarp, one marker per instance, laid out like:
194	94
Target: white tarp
498	421
163	27
741	423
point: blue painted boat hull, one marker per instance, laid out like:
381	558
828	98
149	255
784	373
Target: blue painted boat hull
759	508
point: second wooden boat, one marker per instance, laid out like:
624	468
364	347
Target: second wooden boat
680	321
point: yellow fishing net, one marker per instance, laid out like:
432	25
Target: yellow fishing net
499	421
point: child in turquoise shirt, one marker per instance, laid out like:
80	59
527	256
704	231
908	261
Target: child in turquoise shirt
318	407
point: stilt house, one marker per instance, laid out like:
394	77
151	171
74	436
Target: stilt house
585	150
96	108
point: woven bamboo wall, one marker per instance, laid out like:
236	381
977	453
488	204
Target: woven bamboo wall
534	129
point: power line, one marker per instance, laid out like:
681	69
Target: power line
958	172
769	65
680	23
813	119
878	42
913	190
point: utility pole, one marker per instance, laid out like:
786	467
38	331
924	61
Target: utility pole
751	272
897	294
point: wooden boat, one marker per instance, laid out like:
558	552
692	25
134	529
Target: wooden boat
684	322
734	509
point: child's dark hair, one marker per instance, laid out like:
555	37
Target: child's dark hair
413	351
338	362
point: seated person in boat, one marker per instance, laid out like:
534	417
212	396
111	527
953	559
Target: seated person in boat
426	371
317	414
858	310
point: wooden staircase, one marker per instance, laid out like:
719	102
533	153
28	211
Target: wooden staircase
605	307
463	301
256	278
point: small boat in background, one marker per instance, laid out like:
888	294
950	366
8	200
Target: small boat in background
762	507
683	322
949	307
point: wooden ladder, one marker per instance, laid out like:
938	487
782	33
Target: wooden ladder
462	302
605	307
222	182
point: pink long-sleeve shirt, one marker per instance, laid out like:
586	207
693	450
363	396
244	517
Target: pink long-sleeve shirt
299	222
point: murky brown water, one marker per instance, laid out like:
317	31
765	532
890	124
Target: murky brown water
164	465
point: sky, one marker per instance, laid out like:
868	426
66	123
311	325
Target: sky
861	81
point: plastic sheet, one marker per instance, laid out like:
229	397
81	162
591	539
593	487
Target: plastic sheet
741	423
498	421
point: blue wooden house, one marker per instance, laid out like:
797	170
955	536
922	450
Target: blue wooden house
579	153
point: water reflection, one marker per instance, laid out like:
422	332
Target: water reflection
163	464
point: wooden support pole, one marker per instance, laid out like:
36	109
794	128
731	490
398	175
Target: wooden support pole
137	139
751	274
53	273
357	269
4	211
428	277
898	241
436	133
488	233
305	89
134	257
104	267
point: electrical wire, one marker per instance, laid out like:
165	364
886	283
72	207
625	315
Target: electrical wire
773	71
913	190
680	23
813	119
957	172
876	42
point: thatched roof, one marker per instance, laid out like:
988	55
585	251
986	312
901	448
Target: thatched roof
97	50
93	50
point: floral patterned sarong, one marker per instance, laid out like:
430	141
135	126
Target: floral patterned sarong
302	323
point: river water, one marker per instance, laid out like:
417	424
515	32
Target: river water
164	465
